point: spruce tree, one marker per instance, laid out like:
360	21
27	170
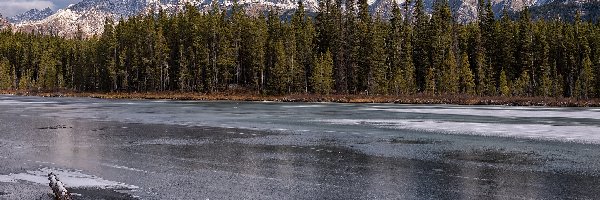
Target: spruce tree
449	82
394	51
321	79
304	35
407	63
377	60
161	57
525	57
421	41
585	82
467	80
503	85
6	79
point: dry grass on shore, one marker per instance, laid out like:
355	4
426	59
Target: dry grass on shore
405	99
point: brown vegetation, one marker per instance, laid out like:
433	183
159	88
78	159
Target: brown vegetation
246	96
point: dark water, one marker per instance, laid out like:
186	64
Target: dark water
124	149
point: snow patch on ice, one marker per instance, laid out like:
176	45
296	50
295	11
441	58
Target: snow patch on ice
170	141
304	106
125	167
581	134
68	177
497	112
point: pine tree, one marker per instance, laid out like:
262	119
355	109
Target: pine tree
585	82
278	78
321	79
525	57
292	72
467	80
505	47
407	64
161	57
482	77
337	47
450	79
351	46
521	85
395	50
421	40
430	82
106	56
543	83
377	60
364	74
304	35
48	76
6	79
504	88
226	56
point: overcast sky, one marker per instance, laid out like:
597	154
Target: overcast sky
9	8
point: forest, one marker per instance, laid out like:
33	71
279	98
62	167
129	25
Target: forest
342	49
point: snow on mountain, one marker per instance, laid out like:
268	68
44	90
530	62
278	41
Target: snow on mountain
89	15
464	10
4	23
31	15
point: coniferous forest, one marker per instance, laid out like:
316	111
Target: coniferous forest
338	51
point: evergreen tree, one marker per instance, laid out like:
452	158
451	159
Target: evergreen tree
421	41
585	82
161	57
430	82
504	88
521	85
543	83
304	35
321	79
525	57
467	80
449	82
364	73
6	78
394	51
106	56
378	83
351	46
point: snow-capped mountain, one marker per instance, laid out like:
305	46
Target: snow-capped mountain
463	10
3	23
89	15
31	15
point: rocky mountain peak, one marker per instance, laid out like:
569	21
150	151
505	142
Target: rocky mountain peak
31	15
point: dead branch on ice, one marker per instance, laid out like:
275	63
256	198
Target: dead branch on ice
60	192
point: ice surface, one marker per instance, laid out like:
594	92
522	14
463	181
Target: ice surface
546	123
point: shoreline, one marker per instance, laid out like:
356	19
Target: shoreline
335	98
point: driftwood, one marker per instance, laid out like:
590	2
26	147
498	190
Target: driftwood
60	192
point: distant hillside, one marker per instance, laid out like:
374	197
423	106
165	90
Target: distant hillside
565	10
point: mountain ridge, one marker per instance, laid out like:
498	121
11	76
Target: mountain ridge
89	15
31	15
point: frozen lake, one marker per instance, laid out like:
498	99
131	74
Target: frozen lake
239	150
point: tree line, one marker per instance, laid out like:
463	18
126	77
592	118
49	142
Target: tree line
344	49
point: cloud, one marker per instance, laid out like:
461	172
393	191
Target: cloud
9	8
